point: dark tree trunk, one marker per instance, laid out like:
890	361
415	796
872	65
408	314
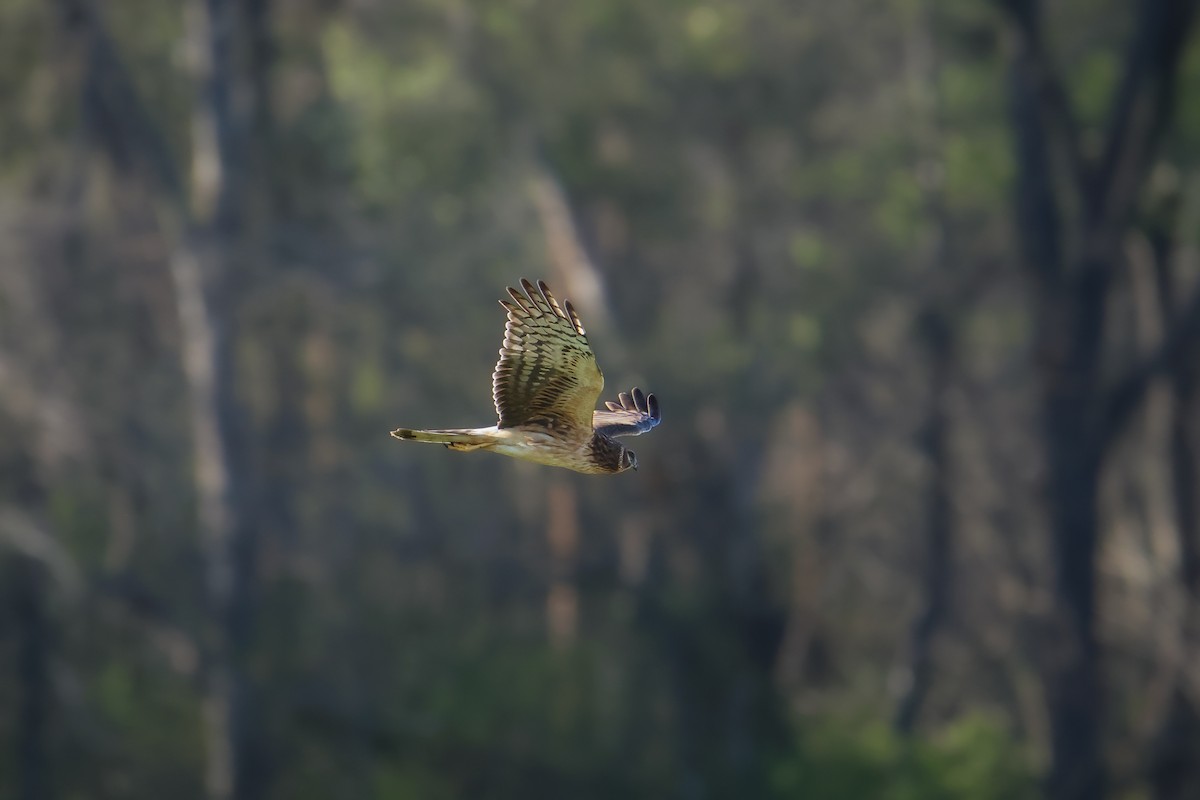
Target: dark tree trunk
28	590
1174	771
938	339
1072	215
937	336
1185	424
1072	657
1069	350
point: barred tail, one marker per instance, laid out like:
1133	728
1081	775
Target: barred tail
454	438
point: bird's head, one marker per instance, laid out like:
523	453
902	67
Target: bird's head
628	460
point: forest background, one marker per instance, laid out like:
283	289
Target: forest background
916	283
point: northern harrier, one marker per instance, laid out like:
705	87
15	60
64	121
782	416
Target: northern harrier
545	387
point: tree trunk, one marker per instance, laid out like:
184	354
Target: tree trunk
202	272
29	601
1072	660
206	368
202	228
939	342
1174	773
1072	214
936	332
1069	350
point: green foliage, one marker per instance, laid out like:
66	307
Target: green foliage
412	781
1187	126
149	729
972	758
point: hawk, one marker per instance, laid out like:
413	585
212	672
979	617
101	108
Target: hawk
545	387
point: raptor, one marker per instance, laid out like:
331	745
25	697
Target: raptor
545	387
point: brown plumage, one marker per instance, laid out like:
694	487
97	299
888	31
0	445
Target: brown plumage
545	387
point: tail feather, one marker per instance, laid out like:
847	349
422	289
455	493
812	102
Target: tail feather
454	438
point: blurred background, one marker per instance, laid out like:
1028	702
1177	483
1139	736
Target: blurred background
915	282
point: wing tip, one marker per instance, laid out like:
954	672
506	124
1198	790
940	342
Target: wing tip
634	412
551	300
536	300
521	302
573	318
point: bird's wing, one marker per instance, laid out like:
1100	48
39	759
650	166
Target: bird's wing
636	413
547	373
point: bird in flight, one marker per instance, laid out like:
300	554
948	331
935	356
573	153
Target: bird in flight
545	387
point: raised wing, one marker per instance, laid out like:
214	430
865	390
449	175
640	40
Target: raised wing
636	413
547	373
